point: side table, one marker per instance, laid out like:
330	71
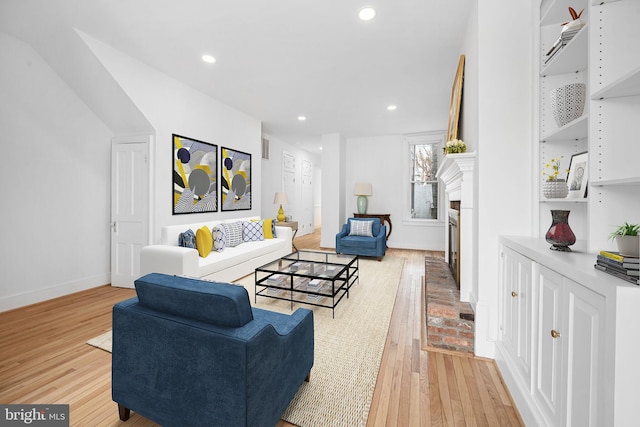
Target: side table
382	217
293	225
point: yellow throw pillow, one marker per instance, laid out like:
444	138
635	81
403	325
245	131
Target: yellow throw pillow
204	241
268	234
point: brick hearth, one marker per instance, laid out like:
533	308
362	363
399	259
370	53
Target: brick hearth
450	323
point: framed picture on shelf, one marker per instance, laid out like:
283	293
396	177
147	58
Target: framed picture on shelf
578	176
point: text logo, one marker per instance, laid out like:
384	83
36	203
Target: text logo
34	415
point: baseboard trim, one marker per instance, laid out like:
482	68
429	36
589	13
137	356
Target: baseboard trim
35	296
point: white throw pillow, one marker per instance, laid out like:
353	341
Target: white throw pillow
360	228
232	233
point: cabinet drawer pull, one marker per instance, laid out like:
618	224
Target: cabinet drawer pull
513	294
555	334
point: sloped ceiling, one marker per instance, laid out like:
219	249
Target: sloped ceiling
277	60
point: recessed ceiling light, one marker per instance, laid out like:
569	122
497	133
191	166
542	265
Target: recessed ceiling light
367	13
302	118
392	107
208	59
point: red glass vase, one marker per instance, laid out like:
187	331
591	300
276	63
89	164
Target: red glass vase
560	234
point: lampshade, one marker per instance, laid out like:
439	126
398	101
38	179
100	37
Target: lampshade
280	199
362	189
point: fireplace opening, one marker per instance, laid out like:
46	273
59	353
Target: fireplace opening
454	245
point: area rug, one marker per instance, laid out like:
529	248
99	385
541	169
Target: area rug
102	341
348	348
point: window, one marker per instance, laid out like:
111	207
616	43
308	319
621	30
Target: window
424	159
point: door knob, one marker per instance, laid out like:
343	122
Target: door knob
513	294
555	334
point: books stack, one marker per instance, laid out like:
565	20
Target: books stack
277	280
559	44
622	267
314	286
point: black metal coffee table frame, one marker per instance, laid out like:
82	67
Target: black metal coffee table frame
321	279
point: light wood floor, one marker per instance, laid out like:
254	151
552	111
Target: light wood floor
44	359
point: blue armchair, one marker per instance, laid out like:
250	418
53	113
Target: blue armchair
188	352
362	236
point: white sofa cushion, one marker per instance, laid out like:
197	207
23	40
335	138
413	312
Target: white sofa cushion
217	261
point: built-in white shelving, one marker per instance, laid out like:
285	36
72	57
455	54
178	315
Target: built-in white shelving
576	129
582	374
601	2
564	201
572	57
627	85
633	181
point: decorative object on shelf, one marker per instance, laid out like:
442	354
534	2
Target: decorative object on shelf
280	199
195	176
567	102
575	24
554	188
627	239
455	146
362	190
578	175
456	101
560	234
569	30
235	186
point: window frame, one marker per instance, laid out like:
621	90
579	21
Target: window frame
436	139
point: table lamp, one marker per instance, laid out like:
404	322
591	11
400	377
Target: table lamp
362	191
281	199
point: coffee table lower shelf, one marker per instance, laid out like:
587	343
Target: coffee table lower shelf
320	284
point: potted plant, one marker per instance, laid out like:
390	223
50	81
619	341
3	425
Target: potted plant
455	146
553	187
627	239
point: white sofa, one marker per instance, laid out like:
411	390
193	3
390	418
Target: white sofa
225	266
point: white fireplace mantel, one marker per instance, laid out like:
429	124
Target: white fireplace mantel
456	172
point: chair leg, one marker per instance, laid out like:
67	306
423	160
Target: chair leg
123	412
308	377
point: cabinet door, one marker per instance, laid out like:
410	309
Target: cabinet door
585	316
548	387
517	308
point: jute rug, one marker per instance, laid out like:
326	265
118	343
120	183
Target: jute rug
348	348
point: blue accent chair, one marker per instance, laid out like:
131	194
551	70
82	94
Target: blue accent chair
375	246
188	352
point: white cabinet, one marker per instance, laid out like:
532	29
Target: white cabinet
516	316
584	362
570	351
566	346
547	389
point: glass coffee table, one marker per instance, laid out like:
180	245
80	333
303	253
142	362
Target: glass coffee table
308	277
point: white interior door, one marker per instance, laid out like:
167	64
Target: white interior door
289	184
129	207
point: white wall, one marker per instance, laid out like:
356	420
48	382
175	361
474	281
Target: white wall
272	183
469	126
173	107
383	162
333	188
504	146
55	183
